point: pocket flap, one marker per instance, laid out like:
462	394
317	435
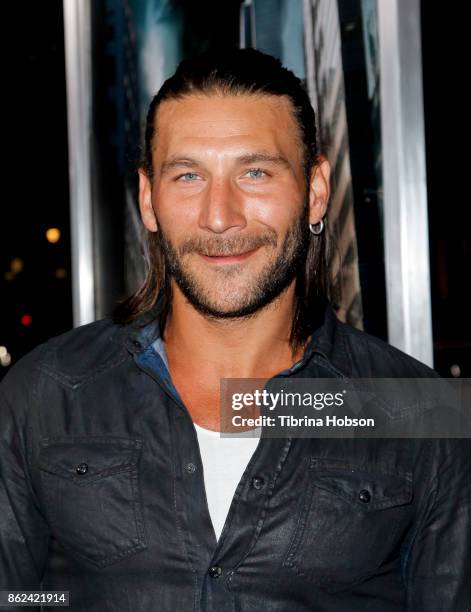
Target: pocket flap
364	486
85	459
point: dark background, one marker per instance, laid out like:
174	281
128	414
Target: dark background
35	124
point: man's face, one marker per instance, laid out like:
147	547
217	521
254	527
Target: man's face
229	198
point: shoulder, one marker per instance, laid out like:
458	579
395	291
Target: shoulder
370	356
71	357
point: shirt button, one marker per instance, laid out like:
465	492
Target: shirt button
364	496
257	482
82	468
215	571
190	468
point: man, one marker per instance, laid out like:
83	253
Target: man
108	490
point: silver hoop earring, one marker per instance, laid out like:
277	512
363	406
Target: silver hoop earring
318	228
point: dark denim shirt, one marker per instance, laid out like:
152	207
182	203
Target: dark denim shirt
102	491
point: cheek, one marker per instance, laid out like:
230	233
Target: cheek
277	210
174	215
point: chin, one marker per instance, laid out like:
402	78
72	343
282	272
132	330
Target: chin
226	306
240	309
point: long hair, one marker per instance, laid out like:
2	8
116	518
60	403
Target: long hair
238	72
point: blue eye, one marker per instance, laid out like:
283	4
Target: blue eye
188	176
256	173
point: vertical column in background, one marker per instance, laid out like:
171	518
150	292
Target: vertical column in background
77	34
404	179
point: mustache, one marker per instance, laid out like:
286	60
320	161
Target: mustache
218	247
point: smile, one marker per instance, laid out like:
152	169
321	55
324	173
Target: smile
227	259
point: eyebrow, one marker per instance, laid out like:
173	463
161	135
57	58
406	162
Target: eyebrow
249	158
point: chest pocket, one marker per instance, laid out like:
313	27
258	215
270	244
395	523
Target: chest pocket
91	492
350	524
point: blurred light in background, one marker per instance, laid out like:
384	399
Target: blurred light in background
5	357
53	235
16	265
26	320
60	273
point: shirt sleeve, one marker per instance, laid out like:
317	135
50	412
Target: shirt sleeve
24	533
438	566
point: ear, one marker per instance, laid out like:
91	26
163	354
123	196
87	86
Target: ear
145	202
319	189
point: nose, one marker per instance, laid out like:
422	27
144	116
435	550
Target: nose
221	207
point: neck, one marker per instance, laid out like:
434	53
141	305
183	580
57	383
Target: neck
251	347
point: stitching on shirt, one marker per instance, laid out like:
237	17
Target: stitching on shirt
180	528
263	512
66	381
325	364
432	498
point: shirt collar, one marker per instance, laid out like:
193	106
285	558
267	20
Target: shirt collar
327	340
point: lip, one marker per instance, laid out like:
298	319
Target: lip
228	259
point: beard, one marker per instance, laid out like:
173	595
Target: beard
260	290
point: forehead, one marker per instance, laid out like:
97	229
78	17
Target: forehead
225	121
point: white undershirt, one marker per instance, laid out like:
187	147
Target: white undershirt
224	462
